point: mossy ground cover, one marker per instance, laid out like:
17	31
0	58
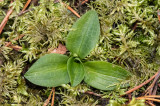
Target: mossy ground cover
129	38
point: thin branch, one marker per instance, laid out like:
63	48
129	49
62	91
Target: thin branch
144	83
17	48
158	13
47	101
151	104
84	2
26	5
52	104
73	11
130	97
151	96
4	22
19	37
153	87
156	100
23	12
92	93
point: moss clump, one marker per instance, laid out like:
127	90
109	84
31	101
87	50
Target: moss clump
44	27
129	37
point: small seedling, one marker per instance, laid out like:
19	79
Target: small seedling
53	70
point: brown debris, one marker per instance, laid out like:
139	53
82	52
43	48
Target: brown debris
5	20
47	101
150	93
60	50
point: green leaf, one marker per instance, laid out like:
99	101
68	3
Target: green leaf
84	35
75	70
50	71
104	75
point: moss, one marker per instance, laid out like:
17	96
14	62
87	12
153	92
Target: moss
129	38
44	27
120	43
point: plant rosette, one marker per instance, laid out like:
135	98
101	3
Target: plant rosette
53	70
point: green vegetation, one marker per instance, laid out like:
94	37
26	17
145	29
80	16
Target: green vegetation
129	38
53	70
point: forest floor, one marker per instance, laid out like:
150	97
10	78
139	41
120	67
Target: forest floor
130	38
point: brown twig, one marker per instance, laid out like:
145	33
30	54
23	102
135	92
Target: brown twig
26	5
156	100
4	22
144	83
152	96
19	37
84	2
52	104
158	13
158	85
49	97
130	97
23	12
152	89
17	48
151	104
73	11
92	93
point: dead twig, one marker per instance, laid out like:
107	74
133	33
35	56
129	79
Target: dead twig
151	99
92	93
130	97
151	104
49	97
151	96
26	5
52	104
23	12
158	13
4	22
84	2
73	11
19	37
152	89
17	48
144	83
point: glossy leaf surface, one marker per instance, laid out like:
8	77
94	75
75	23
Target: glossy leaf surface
50	71
75	70
104	75
84	34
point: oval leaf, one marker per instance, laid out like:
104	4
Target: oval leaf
50	71
84	35
104	75
75	70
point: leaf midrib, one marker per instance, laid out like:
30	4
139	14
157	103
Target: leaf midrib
56	69
104	74
84	36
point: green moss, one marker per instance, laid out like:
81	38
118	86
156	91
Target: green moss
47	25
122	45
